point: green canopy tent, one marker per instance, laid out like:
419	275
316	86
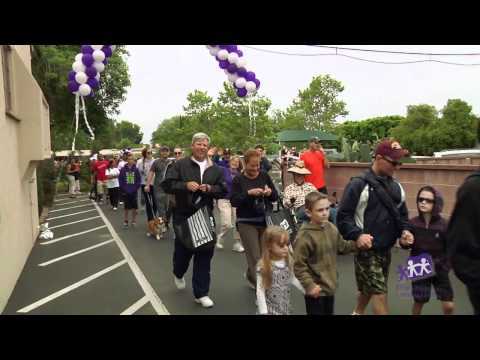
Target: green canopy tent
300	138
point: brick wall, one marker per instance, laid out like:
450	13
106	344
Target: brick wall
445	178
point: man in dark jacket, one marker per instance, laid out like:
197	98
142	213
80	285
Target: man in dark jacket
463	238
374	214
264	163
195	182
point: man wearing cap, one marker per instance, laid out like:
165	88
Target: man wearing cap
373	213
316	161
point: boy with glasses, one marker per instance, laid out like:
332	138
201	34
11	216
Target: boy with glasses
429	229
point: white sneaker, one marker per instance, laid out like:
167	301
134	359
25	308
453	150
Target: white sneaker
179	283
219	246
237	247
148	234
205	301
114	209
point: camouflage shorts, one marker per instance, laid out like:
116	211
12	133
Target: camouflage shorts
371	272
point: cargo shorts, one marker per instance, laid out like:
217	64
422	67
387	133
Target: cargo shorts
371	271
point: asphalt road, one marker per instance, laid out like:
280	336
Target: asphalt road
95	266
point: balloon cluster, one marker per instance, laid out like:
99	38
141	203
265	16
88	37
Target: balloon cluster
231	60
89	63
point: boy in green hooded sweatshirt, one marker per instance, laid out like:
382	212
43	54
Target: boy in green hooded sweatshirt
315	252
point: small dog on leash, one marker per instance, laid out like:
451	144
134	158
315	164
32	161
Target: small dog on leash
157	227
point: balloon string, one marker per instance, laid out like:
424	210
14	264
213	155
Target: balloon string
92	135
77	113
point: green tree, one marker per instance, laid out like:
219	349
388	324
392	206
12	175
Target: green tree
423	132
126	130
50	66
319	104
368	130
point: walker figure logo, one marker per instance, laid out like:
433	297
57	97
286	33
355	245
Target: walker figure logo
418	267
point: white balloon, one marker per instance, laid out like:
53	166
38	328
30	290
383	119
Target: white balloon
98	55
81	77
241	62
233	58
250	86
113	47
78	57
214	51
222	54
96	47
97	76
78	66
84	90
99	66
240	82
232	77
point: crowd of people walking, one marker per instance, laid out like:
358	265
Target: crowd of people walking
181	192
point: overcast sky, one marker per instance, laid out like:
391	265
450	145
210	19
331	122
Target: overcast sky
163	75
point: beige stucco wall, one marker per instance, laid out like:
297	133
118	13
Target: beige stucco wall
24	140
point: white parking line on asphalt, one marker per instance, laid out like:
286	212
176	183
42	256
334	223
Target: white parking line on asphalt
135	307
75	222
63	216
68	208
75	253
142	280
74	202
71	199
72	235
63	291
62	195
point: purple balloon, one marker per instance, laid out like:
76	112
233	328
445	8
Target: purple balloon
257	83
250	76
242	72
239	52
242	92
73	86
223	46
107	51
223	64
91	72
93	83
231	48
71	75
86	49
87	60
232	68
105	62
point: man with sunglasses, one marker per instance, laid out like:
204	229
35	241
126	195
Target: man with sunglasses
373	213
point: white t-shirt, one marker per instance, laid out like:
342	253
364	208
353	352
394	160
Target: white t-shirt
112	183
121	164
203	166
144	170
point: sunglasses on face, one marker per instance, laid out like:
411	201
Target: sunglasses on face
393	162
428	201
178	153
